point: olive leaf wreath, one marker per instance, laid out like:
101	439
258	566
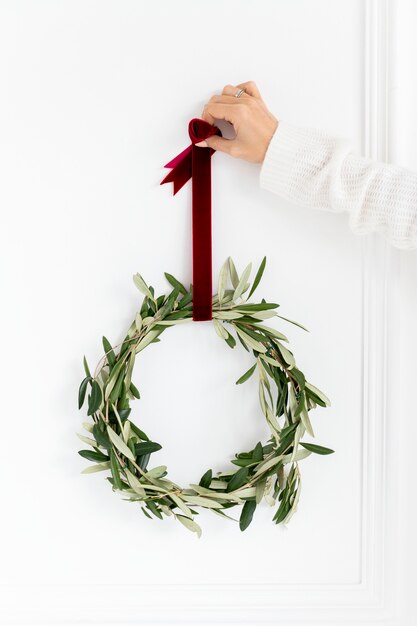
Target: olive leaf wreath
267	472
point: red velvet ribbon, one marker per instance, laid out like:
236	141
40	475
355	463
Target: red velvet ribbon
195	163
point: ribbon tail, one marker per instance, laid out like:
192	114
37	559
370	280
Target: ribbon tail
181	169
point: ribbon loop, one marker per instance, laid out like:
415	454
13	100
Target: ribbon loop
195	163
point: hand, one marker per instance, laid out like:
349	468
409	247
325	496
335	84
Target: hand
254	124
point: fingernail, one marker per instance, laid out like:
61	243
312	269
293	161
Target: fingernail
202	144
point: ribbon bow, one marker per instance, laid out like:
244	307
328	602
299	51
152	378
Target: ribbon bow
195	163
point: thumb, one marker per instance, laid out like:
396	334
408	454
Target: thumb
217	143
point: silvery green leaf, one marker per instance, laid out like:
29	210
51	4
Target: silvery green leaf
206	492
319	393
104	376
129	371
296	440
147	321
134	483
247	492
201	501
263	315
114	375
300	455
270	360
156	472
138	322
271	331
266	465
148	338
180	504
294	505
233	273
120	444
258	276
259	490
142	286
292	322
256	345
223	281
190	524
98	467
174	322
306	422
220	329
221	513
270	500
90	442
227	315
287	356
88	427
242	282
218	484
126	430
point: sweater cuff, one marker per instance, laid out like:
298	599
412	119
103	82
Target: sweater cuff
278	164
294	163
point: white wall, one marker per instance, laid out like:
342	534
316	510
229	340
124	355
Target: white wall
96	98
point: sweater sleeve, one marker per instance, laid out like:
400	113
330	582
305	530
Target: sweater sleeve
314	169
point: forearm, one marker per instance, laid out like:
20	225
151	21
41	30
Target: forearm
314	169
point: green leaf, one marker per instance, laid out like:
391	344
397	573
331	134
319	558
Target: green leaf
238	480
120	444
286	355
82	391
175	283
206	479
258	452
282	511
86	368
135	391
233	273
135	483
242	282
323	399
153	507
142	286
246	516
101	437
292	322
262	306
190	524
91	455
300	405
317	449
258	276
246	375
95	399
138	432
255	345
108	350
98	467
114	466
146	447
223	280
231	341
87	440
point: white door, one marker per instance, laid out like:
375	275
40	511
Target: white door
96	98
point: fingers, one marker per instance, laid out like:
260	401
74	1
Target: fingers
219	143
224	103
250	90
223	111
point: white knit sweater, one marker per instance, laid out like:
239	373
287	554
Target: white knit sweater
314	169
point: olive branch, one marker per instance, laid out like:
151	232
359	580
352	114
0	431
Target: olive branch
268	472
